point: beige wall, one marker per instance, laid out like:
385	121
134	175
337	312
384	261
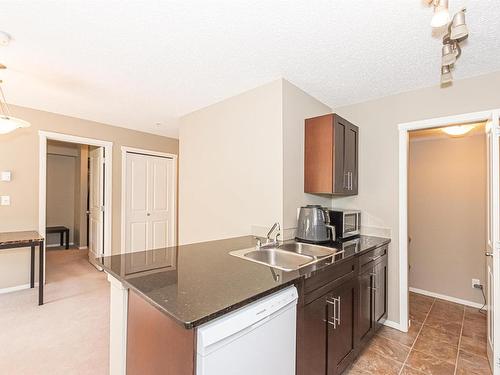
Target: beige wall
230	166
297	106
447	215
378	150
23	189
242	164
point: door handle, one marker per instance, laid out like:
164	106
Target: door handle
488	254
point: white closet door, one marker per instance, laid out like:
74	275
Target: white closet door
149	202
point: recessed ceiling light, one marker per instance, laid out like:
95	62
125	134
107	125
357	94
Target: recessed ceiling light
458	129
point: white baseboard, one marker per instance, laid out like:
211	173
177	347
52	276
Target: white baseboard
446	298
392	324
82	247
58	245
16	288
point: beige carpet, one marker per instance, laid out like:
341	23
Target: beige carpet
69	334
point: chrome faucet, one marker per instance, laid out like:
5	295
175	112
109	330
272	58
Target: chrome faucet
269	242
277	227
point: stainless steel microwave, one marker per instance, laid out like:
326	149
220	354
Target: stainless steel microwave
347	222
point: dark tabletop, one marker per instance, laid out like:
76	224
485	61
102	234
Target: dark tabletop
199	282
13	238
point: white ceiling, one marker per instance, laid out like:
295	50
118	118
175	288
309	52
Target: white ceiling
137	63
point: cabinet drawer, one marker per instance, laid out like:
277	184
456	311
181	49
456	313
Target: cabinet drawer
319	284
366	260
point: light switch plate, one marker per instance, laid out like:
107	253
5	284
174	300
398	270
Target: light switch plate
5	200
5	176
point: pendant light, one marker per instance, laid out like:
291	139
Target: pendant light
441	15
7	122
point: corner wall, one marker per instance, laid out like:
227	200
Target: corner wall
297	106
230	175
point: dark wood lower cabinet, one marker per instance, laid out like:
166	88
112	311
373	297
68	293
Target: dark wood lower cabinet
334	327
366	320
341	327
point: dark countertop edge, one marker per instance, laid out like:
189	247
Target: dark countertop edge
195	323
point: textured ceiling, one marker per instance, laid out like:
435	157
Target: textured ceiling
138	63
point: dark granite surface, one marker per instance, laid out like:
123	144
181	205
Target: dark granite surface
199	282
24	237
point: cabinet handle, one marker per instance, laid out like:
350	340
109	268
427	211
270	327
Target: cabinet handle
380	256
333	303
343	180
350	180
338	318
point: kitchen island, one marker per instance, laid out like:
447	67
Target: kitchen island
160	297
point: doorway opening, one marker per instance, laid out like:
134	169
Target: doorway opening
75	187
449	220
75	193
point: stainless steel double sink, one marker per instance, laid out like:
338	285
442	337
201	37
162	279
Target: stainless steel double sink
288	256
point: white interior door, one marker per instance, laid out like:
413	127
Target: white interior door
493	241
96	203
149	203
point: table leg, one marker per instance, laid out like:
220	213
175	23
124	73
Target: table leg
67	239
40	276
32	269
61	239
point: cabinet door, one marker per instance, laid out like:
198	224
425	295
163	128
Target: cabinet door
311	338
351	158
341	339
340	172
365	311
380	290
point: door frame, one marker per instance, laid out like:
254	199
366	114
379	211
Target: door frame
404	129
145	152
108	178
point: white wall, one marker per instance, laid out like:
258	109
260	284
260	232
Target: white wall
230	166
378	150
447	215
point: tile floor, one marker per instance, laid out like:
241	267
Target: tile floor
444	338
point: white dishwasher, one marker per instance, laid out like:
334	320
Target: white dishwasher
258	339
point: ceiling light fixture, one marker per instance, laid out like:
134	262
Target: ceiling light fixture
457	32
446	76
458	130
7	122
4	39
441	15
458	28
449	54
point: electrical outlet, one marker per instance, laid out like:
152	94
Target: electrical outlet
475	282
5	200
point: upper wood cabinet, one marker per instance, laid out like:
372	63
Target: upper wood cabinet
331	156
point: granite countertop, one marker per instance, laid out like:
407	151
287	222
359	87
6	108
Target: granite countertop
196	283
24	237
